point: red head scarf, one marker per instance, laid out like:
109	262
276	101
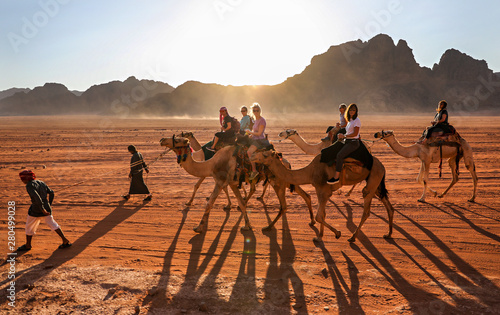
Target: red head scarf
27	174
223	108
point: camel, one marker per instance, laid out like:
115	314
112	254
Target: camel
222	167
310	149
431	154
199	155
317	173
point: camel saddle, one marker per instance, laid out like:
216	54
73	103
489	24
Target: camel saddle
243	166
361	155
440	138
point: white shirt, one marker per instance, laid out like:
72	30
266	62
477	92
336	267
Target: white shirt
350	127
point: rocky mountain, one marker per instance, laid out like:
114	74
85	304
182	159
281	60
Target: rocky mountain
109	98
12	91
378	75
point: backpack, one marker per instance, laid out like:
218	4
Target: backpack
235	125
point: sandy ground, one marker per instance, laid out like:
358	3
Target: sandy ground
143	257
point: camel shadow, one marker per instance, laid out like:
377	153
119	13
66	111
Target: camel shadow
467	277
278	275
59	257
415	296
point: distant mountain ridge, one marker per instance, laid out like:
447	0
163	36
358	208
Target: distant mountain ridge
12	91
104	99
377	75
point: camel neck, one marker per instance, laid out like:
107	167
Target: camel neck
300	176
309	149
405	151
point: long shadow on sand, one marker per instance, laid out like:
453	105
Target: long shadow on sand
483	289
420	301
278	275
59	257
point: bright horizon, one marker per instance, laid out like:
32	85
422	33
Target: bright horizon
229	42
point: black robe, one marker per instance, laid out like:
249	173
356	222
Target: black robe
137	167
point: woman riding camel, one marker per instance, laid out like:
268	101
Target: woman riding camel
227	131
246	121
351	140
440	123
257	135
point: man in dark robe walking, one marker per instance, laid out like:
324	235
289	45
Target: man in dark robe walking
137	166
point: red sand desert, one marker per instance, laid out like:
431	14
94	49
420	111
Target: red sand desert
144	258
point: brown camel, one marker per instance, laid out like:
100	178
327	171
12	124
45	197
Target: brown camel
222	167
317	173
431	154
199	155
310	149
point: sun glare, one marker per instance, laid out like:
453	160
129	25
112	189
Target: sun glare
256	42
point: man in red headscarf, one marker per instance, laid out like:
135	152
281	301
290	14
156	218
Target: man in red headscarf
40	209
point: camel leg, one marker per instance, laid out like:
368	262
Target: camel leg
250	193
324	193
210	203
454	180
471	167
228	206
390	214
280	192
373	185
261	197
307	199
196	186
350	191
242	206
423	177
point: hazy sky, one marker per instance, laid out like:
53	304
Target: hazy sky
80	43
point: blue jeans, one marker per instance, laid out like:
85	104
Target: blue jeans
350	146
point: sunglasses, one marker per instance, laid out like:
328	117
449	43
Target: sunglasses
256	110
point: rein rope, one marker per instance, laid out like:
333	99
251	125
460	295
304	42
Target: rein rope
117	170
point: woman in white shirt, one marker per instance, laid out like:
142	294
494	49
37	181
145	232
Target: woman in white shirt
351	140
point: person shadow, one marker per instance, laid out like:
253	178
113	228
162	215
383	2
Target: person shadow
60	256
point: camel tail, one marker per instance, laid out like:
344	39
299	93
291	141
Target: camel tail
382	190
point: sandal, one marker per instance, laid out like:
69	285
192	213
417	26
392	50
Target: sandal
65	245
23	248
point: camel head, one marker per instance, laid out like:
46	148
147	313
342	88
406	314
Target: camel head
186	134
264	157
174	142
287	133
384	134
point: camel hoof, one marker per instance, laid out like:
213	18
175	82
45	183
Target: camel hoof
337	236
260	198
188	203
352	240
227	208
387	237
267	228
471	200
317	239
441	196
246	228
421	200
312	223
